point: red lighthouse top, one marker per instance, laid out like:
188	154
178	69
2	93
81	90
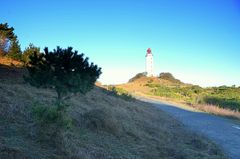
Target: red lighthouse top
149	51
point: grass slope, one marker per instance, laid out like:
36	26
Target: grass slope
103	126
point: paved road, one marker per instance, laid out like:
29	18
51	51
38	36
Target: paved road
223	132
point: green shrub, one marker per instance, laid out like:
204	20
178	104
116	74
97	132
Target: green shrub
47	115
168	76
29	51
150	81
233	103
121	93
223	96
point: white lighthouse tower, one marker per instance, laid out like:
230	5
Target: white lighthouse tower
149	63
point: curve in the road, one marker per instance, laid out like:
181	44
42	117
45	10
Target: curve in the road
222	131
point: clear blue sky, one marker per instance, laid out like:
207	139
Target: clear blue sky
198	41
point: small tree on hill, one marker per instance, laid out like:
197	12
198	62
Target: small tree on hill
6	36
15	51
29	51
64	70
9	44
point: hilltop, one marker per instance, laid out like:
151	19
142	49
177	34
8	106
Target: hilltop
141	84
221	100
104	125
164	78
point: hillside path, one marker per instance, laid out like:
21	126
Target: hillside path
224	132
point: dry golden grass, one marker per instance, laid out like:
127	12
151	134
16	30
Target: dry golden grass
10	62
218	111
104	126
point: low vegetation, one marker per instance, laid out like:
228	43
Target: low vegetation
137	76
100	124
168	76
169	88
119	92
224	97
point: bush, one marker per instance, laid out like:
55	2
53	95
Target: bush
28	52
121	93
223	96
232	104
50	123
137	76
47	115
168	76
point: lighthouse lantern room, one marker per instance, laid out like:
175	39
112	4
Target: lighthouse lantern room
149	63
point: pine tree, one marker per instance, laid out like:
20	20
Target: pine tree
29	51
64	70
15	51
6	35
9	44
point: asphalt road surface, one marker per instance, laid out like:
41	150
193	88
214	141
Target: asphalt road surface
224	132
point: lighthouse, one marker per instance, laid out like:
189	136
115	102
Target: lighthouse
149	63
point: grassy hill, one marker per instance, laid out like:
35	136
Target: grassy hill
102	125
218	100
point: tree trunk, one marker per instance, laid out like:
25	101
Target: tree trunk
59	97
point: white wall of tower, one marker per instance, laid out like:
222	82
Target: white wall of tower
149	65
